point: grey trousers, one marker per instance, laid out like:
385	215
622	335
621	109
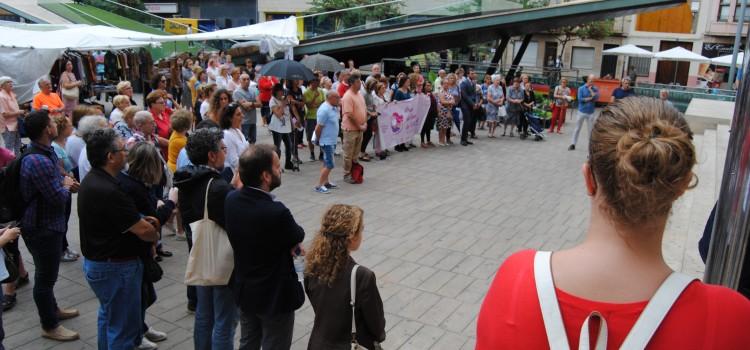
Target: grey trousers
272	332
580	118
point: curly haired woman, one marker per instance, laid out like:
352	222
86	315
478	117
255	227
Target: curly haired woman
327	283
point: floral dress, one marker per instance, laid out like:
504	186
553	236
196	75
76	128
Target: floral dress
445	116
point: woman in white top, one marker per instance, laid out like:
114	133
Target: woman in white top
231	121
281	124
222	79
212	70
234	80
120	102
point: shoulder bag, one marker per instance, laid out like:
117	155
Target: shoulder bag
211	260
638	337
352	299
70	94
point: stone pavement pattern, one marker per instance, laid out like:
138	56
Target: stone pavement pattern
438	224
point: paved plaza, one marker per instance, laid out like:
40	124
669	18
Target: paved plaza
438	224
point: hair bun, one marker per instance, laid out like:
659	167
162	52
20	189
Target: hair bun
642	155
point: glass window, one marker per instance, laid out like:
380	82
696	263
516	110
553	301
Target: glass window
724	10
641	64
583	58
737	9
529	56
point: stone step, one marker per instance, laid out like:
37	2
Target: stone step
675	234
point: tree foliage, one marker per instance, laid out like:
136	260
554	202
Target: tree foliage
596	30
359	17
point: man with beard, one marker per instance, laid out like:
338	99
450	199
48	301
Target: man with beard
265	237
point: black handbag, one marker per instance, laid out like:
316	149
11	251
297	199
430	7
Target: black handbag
11	266
152	271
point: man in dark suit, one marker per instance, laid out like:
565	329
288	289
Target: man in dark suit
471	101
264	237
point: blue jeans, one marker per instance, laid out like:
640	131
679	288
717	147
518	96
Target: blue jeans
117	285
250	132
215	318
328	151
456	118
45	247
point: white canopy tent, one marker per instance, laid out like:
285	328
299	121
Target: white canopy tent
629	50
727	60
27	55
680	54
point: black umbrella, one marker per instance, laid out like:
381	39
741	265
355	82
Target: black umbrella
287	69
321	63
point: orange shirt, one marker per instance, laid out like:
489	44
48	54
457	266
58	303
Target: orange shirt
354	109
51	100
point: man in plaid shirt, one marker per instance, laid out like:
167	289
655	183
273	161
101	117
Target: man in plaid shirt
46	192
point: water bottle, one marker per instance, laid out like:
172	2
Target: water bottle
299	267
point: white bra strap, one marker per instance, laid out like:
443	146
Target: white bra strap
545	290
656	310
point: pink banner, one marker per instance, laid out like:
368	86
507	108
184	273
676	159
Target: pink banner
399	121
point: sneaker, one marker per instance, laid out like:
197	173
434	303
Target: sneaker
60	333
154	335
191	308
572	148
312	158
22	281
64	314
348	179
331	186
147	345
322	189
180	237
68	256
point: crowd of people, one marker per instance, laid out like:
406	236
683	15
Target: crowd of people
189	157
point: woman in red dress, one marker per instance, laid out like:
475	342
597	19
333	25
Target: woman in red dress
640	161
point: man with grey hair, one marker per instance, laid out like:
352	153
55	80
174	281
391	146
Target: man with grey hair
375	73
249	101
46	99
75	147
353	122
326	132
588	94
664	97
439	82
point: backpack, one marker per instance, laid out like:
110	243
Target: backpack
12	205
358	173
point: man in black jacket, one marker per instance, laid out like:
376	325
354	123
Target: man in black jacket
216	312
471	101
264	236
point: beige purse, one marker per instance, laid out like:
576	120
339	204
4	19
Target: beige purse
211	260
70	94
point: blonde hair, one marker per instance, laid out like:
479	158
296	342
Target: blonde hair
329	251
129	113
122	86
642	156
119	99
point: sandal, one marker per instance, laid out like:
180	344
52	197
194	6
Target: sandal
365	158
9	301
22	281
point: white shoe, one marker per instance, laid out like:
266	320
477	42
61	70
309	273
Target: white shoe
155	336
147	345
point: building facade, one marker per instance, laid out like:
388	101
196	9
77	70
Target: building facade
706	27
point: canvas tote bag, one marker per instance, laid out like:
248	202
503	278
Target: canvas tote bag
211	260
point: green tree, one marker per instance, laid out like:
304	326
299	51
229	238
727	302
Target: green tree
596	30
348	19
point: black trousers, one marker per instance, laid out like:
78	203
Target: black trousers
278	138
470	123
367	134
523	123
429	124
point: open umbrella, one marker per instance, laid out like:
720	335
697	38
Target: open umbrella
287	69
680	54
321	63
628	50
727	60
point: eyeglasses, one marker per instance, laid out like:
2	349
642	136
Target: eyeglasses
164	80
